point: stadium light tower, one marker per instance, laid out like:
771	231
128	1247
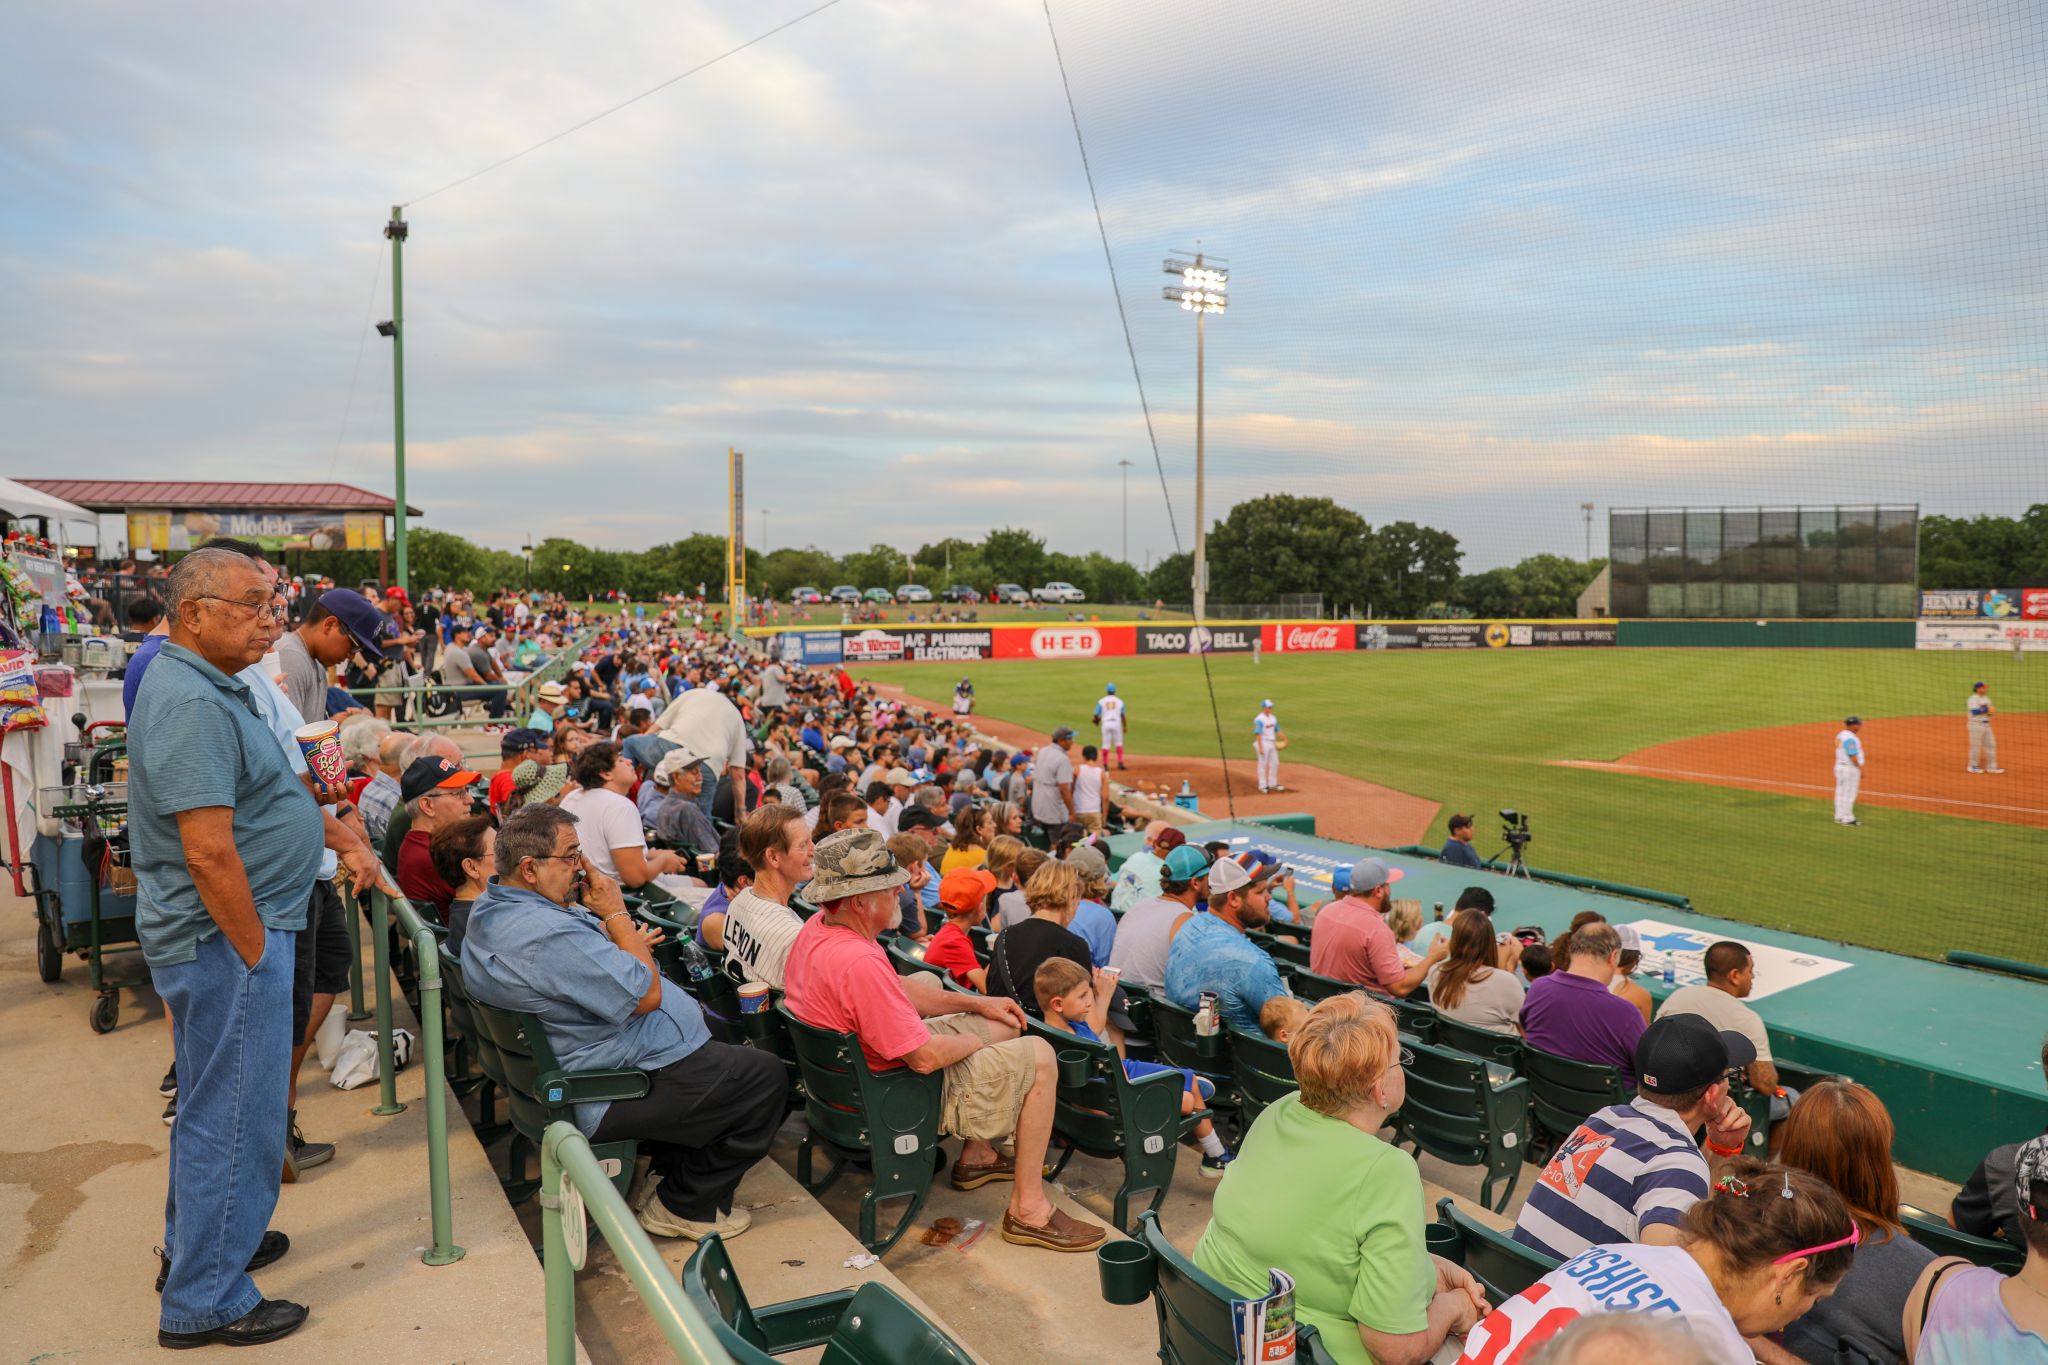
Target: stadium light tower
1204	288
1587	508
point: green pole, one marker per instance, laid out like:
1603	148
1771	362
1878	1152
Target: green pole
387	1083
558	1276
396	230
355	960
433	1044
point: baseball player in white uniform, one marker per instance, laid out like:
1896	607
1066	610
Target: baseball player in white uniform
1983	744
1109	714
1848	770
1266	743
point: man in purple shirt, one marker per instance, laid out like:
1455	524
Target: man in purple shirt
1572	1013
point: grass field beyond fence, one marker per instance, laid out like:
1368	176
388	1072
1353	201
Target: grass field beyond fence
1480	730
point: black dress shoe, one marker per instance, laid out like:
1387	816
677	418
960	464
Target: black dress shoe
272	1248
267	1321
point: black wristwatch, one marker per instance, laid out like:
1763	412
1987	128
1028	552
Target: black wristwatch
343	808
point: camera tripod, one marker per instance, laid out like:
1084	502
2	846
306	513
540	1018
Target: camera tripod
1513	852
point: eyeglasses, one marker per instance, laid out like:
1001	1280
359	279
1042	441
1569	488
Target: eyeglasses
275	610
574	855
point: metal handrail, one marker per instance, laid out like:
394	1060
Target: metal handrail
567	1161
433	1045
517	694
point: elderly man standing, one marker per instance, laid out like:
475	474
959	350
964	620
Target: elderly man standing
550	937
997	1082
226	843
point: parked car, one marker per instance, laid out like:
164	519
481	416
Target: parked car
879	596
1060	592
960	592
846	592
913	592
1011	594
804	597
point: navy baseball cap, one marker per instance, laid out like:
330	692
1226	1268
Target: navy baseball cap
1682	1052
363	622
521	740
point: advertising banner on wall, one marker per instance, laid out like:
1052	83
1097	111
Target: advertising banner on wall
1071	641
1311	637
1373	635
2009	634
2034	604
812	647
883	646
1950	604
1197	639
171	532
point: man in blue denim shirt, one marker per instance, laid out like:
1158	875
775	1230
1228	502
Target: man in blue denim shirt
1211	952
226	842
551	937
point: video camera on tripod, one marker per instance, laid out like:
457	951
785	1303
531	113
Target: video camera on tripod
1514	828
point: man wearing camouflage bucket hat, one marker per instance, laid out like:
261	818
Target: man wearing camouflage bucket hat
998	1082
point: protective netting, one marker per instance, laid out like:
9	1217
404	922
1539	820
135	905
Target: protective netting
1512	272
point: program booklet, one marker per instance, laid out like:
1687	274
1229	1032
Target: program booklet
1265	1327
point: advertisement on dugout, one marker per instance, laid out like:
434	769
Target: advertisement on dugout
918	646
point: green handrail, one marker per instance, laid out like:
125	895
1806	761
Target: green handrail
566	1160
1640	893
433	1047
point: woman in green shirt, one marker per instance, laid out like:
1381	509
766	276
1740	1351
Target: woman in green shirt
1315	1193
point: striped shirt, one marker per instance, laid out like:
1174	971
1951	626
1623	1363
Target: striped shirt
1625	1168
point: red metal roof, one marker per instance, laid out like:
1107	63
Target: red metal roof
117	495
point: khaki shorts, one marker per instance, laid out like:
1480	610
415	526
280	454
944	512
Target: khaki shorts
1091	820
984	1091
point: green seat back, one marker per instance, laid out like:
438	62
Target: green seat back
1173	1029
1313	986
879	1328
871	1325
1108	1115
908	959
1194	1309
1484	1043
1943	1240
1261	1072
1501	1264
1413	1015
394	835
1563	1092
1467	1112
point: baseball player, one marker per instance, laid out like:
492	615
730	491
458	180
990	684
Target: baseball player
963	697
1848	770
1983	744
1109	714
1266	743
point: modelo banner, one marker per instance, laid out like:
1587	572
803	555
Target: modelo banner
1377	635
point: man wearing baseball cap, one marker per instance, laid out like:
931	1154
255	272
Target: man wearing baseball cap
1350	940
549	699
338	624
1211	952
1145	934
436	792
1630	1172
1138	878
514	748
998	1083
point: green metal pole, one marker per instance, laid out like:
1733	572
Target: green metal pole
558	1276
396	230
380	927
434	1042
356	1011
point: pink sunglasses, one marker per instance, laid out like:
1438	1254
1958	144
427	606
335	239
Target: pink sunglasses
1855	1236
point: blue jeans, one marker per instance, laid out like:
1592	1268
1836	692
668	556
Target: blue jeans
233	1031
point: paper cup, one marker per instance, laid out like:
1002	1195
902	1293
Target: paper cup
320	742
753	997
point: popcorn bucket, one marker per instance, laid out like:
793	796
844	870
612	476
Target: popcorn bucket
320	742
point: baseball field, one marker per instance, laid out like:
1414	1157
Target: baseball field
1699	771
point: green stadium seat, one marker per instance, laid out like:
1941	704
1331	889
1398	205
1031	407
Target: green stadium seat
1757	1104
488	1083
890	1120
1196	1324
1794	1076
766	1029
541	1092
1941	1239
1503	1266
871	1325
1312	986
1467	1112
1179	1045
1483	1043
1260	1073
1103	1112
1563	1092
1416	1018
908	958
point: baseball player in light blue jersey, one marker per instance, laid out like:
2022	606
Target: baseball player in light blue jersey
1109	714
1983	744
1266	743
1848	770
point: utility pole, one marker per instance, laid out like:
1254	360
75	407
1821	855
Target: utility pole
1587	508
396	230
764	533
1126	466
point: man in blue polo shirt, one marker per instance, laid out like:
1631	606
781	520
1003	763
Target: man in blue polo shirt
1630	1172
551	937
1211	952
226	842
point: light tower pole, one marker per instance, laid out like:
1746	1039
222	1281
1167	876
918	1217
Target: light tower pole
1203	289
1587	508
1125	465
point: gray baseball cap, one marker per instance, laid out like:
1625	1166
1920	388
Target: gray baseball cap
853	862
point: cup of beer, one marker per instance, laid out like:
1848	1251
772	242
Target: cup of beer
753	997
320	742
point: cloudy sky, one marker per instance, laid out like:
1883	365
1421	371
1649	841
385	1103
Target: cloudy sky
1487	262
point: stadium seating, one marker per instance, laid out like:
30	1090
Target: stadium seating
906	958
541	1092
488	1083
1503	1266
1205	1055
870	1325
1260	1074
1312	986
1467	1112
1941	1239
1196	1324
1414	1017
1505	1048
1103	1112
1563	1092
888	1120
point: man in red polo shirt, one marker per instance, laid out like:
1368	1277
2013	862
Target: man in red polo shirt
1349	939
436	792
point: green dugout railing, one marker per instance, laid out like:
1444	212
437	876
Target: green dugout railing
433	1046
573	1183
518	696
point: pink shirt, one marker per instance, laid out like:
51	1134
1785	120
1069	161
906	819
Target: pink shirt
1350	941
838	980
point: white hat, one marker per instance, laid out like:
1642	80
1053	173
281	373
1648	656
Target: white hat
1225	875
673	762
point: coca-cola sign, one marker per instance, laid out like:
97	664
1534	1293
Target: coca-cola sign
1066	642
1293	638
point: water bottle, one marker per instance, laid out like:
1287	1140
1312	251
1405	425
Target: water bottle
1670	971
1439	910
692	957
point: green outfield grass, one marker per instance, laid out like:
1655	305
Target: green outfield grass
1478	730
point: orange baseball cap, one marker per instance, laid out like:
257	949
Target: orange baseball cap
965	888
